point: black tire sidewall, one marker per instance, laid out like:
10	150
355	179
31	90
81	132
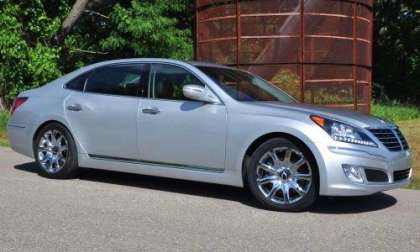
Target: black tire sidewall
70	168
305	202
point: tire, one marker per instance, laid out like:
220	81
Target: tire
55	152
269	174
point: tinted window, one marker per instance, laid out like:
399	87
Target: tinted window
116	80
167	82
78	83
244	86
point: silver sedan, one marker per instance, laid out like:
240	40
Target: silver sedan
209	123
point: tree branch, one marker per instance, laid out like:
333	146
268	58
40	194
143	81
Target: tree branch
76	11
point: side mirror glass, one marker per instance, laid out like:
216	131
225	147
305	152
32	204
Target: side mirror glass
199	93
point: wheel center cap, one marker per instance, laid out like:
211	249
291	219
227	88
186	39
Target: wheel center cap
284	174
55	149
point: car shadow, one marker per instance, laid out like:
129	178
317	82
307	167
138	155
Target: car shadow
324	205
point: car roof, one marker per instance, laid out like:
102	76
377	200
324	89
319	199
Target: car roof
163	60
206	64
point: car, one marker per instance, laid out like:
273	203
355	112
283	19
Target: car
209	123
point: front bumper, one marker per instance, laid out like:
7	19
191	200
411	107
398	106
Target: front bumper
334	182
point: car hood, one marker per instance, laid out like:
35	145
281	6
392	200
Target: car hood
353	118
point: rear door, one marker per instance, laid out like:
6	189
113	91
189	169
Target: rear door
104	116
177	131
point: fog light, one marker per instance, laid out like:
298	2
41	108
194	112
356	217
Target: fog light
354	173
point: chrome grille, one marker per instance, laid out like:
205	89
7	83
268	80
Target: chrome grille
391	139
404	142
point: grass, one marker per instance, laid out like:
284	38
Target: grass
407	117
411	130
4	116
395	111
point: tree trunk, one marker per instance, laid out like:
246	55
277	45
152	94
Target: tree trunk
2	104
76	12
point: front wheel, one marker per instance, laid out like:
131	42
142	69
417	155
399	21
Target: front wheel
282	176
55	152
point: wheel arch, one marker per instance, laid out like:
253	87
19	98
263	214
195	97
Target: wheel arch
44	123
263	138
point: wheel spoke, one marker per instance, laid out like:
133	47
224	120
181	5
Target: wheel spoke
267	168
276	187
274	157
287	156
295	186
42	149
303	176
266	180
298	163
286	194
63	148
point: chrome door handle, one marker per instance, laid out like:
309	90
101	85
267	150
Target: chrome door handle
152	111
74	107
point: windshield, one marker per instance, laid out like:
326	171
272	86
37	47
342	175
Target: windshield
243	86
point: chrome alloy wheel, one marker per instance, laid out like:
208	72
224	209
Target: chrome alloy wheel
52	151
284	175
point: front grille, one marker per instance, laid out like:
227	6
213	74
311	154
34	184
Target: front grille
376	175
391	139
402	139
401	175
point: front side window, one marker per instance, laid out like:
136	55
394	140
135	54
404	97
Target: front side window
124	80
167	82
243	86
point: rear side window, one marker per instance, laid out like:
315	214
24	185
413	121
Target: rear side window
124	80
78	83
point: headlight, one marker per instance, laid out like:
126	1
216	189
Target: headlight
342	132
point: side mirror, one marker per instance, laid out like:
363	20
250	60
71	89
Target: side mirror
199	93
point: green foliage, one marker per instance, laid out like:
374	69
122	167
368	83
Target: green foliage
27	56
394	111
397	50
4	117
149	28
30	55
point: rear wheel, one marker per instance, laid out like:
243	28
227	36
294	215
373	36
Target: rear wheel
55	152
282	176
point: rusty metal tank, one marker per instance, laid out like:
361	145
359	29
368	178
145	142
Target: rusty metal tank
320	51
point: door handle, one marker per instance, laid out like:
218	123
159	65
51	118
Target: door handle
152	111
74	107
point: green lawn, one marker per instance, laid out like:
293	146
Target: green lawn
411	130
408	118
395	112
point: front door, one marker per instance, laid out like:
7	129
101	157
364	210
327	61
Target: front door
179	132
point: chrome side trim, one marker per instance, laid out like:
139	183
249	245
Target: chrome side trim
155	163
16	126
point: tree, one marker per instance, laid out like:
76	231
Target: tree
397	50
86	32
78	9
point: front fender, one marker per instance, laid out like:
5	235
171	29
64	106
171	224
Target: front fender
241	137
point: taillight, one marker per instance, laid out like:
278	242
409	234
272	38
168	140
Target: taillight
17	103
